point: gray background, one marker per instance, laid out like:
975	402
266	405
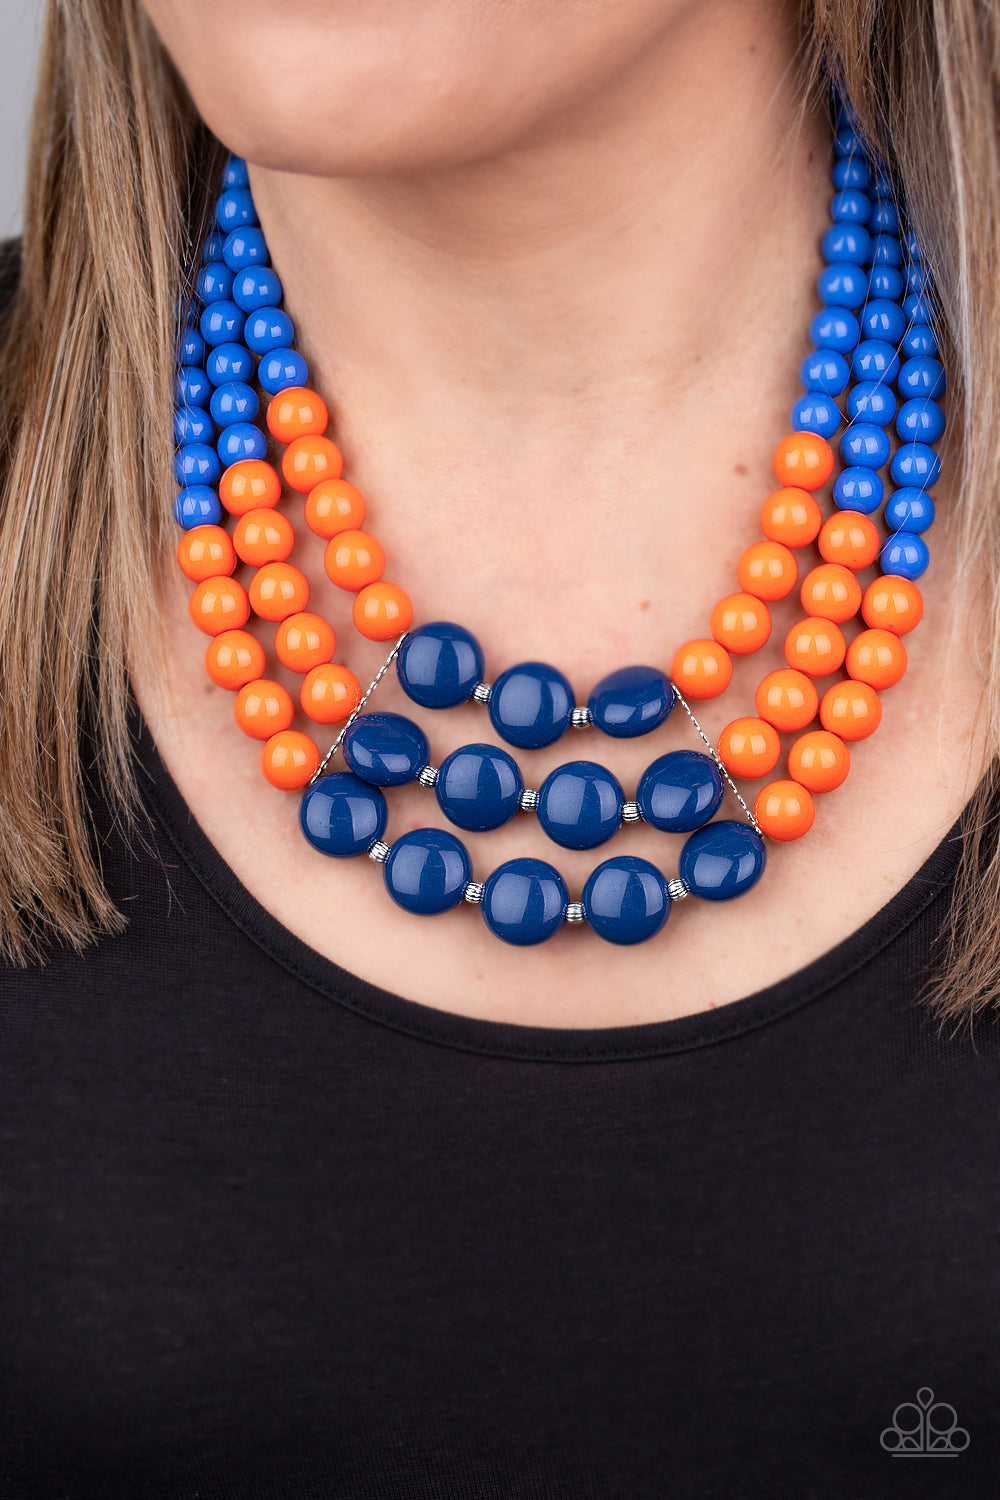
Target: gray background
19	24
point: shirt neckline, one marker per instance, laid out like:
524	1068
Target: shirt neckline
502	1039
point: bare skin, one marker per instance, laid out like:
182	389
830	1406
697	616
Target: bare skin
557	361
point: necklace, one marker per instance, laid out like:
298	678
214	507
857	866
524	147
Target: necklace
874	332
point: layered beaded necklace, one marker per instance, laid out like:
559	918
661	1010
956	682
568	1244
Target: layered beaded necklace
875	362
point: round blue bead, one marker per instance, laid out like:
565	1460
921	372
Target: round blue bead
883	218
858	488
722	861
918	279
919	339
915	464
626	900
886	251
281	368
866	444
229	362
221	323
256	287
851	172
234	402
680	791
913	247
631	701
872	401
909	510
524	901
882	319
241	440
922	376
530	705
847	142
479	787
340	815
826	371
235	209
426	871
385	749
192	386
245	247
268	329
191	346
874	359
919	307
236	174
192	424
920	420
886	281
847	242
842	285
906	555
214	282
850	206
884	185
212	248
835	328
197	463
198	505
816	413
580	805
439	664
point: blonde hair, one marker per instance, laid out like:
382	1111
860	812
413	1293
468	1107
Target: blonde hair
120	175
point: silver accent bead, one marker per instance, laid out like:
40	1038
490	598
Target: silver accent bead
378	852
529	800
427	775
481	692
677	889
580	718
630	812
474	892
575	912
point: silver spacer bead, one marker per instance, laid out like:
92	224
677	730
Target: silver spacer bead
474	892
630	812
575	912
427	775
580	718
529	800
481	692
378	852
677	889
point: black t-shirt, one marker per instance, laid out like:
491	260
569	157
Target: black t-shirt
271	1231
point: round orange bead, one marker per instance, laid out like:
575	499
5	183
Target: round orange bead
307	460
247	484
701	669
791	516
234	658
304	641
767	570
219	604
785	811
892	603
819	761
849	538
831	591
330	694
205	552
334	505
787	699
381	611
278	590
815	646
296	412
749	748
263	707
290	760
741	623
877	657
262	536
851	709
804	459
353	559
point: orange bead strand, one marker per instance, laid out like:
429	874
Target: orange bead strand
262	536
304	641
831	591
290	760
330	694
205	552
278	590
785	811
803	459
309	459
741	623
892	603
333	506
787	699
248	484
296	412
234	658
749	748
791	516
767	570
263	707
851	709
701	669
849	538
877	657
819	761
815	646
381	611
219	604
353	559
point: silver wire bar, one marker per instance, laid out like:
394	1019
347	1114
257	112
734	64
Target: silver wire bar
715	756
371	688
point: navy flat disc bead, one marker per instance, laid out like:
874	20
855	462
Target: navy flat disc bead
530	705
580	805
626	900
385	749
439	664
680	791
479	787
426	871
631	702
342	816
722	860
524	901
